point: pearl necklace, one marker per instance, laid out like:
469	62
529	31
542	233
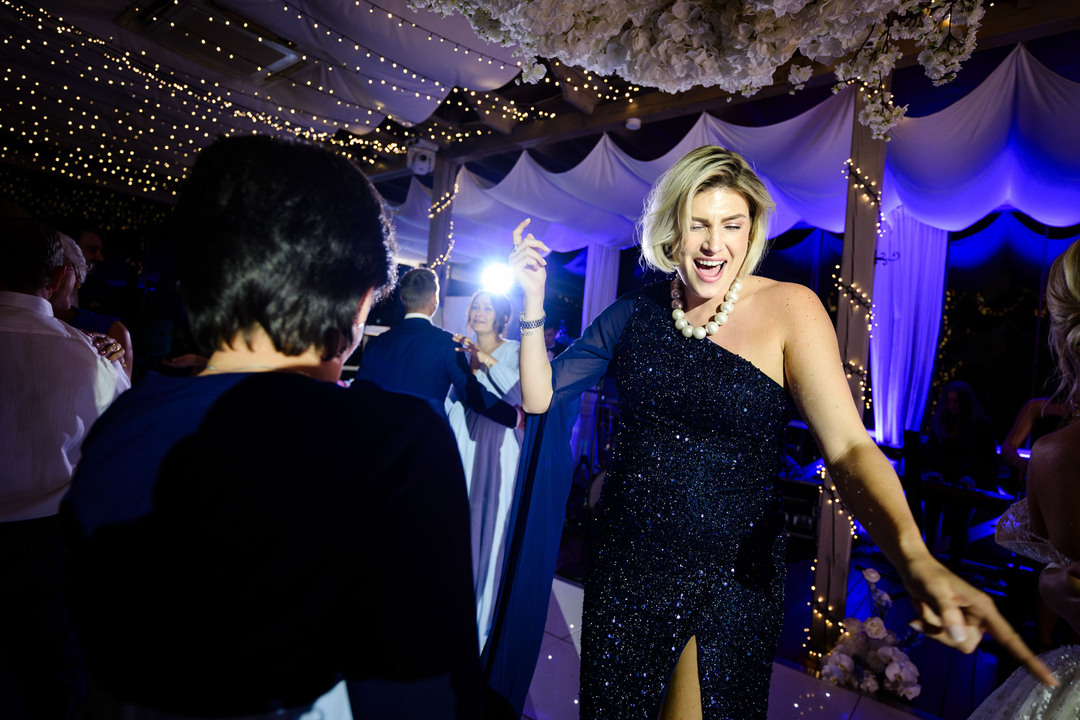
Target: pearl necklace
699	332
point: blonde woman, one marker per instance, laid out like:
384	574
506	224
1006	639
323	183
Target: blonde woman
1043	526
684	597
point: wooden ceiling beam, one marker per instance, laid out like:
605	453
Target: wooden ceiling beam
493	118
573	85
1017	21
649	107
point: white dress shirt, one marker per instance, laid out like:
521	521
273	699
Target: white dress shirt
54	385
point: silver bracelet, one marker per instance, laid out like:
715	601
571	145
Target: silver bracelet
533	331
531	324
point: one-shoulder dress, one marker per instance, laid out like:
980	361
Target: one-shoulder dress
689	536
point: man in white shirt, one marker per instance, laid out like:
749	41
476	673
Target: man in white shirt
54	385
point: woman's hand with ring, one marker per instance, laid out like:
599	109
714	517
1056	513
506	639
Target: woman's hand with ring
108	348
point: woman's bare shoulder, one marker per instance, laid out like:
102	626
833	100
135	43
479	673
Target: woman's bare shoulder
784	302
778	291
1058	452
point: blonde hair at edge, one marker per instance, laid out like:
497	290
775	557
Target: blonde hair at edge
667	207
1063	302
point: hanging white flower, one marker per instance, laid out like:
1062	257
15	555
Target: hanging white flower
737	45
875	628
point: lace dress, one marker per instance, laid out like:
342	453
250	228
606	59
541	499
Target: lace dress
1022	697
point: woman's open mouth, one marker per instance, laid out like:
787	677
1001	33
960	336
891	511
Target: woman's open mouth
709	269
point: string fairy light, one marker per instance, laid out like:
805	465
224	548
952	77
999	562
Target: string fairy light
858	301
111	211
74	132
204	104
829	498
432	35
443	204
601	86
867	188
856	297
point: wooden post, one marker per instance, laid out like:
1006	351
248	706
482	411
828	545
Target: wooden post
855	278
828	596
856	275
439	231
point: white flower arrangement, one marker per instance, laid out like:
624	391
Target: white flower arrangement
867	655
737	45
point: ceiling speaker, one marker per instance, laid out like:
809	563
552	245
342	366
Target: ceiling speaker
421	156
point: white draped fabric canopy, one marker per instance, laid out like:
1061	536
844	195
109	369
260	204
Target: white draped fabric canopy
1012	142
1009	144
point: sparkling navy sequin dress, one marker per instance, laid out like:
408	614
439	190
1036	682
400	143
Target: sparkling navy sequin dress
689	537
689	532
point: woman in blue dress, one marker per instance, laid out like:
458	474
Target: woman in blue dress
489	450
683	602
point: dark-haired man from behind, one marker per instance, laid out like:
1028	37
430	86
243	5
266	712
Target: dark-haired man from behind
417	358
243	540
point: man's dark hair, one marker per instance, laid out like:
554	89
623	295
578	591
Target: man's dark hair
31	252
417	287
283	235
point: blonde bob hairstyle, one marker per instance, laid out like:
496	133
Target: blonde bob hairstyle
667	207
1063	302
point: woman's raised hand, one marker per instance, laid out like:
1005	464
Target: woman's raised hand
527	261
529	267
477	358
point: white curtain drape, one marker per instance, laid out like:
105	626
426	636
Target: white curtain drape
597	202
601	281
909	288
1011	142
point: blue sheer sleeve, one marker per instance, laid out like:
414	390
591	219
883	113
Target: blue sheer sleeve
544	477
588	359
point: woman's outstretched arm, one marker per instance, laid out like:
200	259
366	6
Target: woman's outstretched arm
951	610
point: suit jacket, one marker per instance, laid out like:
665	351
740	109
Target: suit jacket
417	358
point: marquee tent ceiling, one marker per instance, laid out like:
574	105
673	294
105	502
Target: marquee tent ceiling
124	93
1010	142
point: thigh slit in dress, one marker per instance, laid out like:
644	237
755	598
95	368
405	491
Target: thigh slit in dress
688	535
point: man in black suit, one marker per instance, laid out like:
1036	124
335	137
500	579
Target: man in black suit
417	358
554	345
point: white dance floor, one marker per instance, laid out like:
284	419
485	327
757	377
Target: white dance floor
794	694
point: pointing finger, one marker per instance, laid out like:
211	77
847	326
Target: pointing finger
1001	631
